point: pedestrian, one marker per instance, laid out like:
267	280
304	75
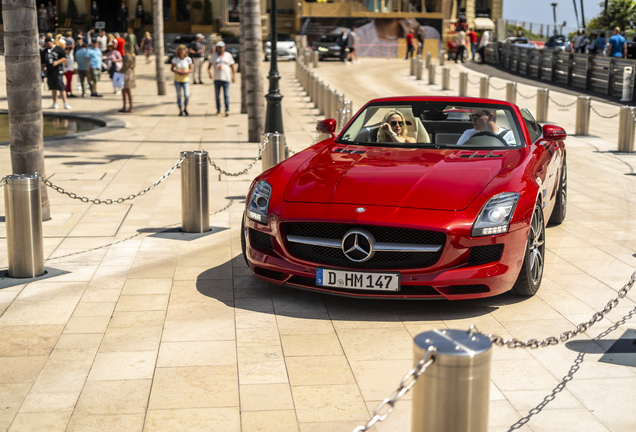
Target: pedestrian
53	59
591	44
94	58
43	18
122	17
79	41
182	67
115	62
102	40
224	71
460	38
420	41
410	49
472	36
82	67
119	46
481	49
583	42
131	39
111	39
197	51
51	15
128	69
600	44
140	19
146	46
94	13
351	46
617	44
69	69
577	41
342	43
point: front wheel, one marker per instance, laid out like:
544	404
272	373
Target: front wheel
531	273
560	206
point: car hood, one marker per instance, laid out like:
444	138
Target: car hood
411	178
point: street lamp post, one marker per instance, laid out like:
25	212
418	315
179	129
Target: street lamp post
274	114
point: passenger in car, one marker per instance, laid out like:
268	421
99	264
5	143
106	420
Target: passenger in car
484	121
393	130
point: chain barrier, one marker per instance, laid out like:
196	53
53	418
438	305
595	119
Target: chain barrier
473	83
496	88
526	97
603	116
631	111
3	181
561	105
386	407
581	328
118	200
247	168
453	76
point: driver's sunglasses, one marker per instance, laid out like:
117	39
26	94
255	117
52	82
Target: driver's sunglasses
476	116
395	123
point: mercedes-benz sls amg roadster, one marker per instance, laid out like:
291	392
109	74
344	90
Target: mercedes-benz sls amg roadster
416	197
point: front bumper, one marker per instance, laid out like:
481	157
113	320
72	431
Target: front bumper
451	277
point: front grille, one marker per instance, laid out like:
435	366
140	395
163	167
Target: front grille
272	274
405	289
261	239
380	260
485	254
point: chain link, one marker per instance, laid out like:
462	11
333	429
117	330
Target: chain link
3	181
561	105
496	88
526	97
386	407
473	83
604	116
118	200
247	168
581	328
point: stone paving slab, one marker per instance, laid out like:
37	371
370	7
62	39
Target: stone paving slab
146	330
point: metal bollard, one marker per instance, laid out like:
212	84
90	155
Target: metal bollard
274	152
582	121
324	88
413	65
333	104
445	78
339	110
317	86
452	395
431	74
419	69
463	84
326	102
542	104
441	56
195	212
310	85
626	130
23	216
348	112
428	60
628	76
315	59
511	92
308	57
484	83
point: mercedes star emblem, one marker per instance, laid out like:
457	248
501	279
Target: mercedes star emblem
357	245
360	210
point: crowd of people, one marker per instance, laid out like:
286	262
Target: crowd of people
598	44
64	55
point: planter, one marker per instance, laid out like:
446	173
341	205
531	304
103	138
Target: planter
200	28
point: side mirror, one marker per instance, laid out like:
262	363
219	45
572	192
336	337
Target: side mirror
326	126
553	133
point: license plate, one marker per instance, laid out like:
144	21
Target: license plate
358	280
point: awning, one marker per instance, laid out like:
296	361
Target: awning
484	24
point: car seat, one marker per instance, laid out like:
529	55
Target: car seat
414	127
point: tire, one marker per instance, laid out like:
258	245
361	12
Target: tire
531	273
243	242
560	206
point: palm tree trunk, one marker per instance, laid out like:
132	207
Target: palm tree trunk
582	14
157	22
242	62
24	91
251	22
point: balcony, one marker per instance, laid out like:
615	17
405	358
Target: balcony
379	9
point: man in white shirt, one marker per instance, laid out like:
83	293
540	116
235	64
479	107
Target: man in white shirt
484	121
223	65
578	41
481	49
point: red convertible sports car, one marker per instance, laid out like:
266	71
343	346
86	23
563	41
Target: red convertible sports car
417	197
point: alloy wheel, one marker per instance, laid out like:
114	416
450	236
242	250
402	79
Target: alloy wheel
536	246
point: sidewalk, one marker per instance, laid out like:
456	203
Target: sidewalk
139	328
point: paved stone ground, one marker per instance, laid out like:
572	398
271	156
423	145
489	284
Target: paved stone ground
142	329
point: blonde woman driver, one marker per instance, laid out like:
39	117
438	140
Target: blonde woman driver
393	130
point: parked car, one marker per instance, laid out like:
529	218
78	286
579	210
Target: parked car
185	39
285	46
428	219
520	41
327	46
558	43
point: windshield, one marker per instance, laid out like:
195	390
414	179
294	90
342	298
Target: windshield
329	38
435	124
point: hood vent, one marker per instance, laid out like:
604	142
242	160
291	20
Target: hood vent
349	149
481	155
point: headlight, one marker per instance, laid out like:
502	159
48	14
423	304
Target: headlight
494	217
258	204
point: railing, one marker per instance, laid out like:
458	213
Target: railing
591	73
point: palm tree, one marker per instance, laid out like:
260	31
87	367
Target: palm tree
252	42
157	20
24	91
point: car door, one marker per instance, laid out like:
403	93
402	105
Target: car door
549	155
